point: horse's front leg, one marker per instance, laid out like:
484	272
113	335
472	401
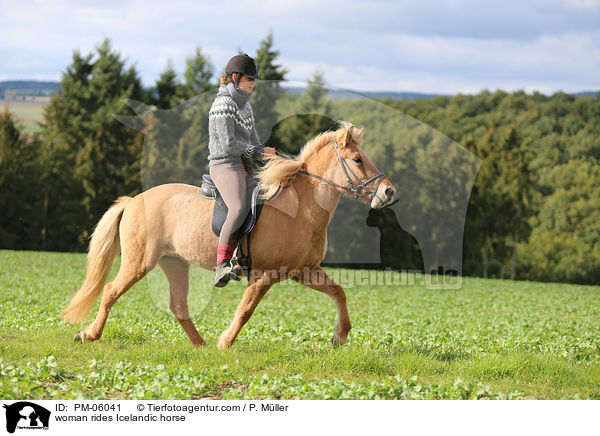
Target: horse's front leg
255	291
319	280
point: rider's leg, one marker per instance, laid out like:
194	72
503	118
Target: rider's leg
230	179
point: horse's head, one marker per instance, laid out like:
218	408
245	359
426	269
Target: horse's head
351	168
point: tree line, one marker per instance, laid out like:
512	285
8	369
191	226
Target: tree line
21	89
533	210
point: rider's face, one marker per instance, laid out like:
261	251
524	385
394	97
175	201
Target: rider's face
247	83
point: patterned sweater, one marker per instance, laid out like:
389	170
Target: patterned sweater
232	134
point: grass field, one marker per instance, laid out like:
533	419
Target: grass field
29	113
490	339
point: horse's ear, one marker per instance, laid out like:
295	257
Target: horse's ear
345	137
360	132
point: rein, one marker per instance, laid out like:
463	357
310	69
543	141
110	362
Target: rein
359	190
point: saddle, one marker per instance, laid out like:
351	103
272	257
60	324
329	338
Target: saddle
209	191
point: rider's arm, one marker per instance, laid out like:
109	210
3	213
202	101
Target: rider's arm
255	149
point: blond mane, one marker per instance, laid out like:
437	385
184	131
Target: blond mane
282	170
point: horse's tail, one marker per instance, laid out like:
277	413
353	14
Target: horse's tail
104	248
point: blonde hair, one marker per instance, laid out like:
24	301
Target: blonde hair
225	79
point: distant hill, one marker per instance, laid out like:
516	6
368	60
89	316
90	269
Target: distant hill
590	93
21	89
338	94
400	95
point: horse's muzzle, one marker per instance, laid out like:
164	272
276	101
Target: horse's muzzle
383	197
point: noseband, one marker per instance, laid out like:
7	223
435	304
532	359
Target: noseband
359	190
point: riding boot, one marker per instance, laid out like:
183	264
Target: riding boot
222	276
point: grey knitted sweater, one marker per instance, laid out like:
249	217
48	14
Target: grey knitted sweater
232	134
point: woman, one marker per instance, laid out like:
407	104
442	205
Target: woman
232	143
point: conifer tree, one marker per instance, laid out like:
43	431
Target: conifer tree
20	223
514	184
312	108
267	90
93	157
166	87
198	74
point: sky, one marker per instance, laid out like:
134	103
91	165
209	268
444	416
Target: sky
429	46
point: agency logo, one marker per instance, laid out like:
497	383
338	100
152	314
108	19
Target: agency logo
27	416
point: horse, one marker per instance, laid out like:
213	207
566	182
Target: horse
170	225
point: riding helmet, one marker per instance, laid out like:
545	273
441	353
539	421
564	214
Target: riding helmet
242	64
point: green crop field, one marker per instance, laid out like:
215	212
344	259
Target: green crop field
489	339
28	113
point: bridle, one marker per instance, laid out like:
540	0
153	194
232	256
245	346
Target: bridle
358	190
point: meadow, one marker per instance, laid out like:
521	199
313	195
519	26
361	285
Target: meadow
490	339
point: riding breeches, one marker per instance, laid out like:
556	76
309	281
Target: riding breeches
230	179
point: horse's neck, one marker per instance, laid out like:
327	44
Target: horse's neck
317	203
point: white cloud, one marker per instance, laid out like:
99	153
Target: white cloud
460	46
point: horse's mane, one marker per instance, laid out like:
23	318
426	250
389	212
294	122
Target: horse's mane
281	170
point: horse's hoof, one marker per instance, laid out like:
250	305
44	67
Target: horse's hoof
78	337
335	341
223	345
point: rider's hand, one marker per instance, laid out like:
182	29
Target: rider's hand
269	150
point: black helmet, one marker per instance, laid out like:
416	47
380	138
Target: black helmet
242	64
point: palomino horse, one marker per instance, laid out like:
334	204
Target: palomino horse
170	225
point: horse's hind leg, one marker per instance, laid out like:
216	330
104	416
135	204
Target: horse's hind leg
319	280
255	291
178	274
135	264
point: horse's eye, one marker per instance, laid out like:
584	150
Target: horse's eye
358	160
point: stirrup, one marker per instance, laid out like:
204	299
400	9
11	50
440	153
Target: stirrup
235	272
